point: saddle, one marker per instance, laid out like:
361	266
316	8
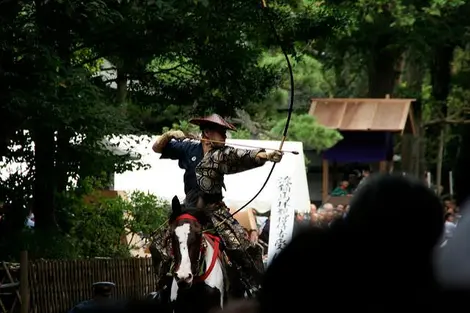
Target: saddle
231	271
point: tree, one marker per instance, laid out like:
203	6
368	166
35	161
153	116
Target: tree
168	60
401	48
95	225
302	128
306	129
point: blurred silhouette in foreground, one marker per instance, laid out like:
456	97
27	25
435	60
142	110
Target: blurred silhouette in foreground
101	300
379	258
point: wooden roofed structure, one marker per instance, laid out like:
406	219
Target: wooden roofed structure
389	115
367	127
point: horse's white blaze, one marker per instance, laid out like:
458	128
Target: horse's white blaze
216	276
184	270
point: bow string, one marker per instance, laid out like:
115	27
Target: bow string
265	8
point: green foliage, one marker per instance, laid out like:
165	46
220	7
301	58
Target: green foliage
100	227
146	213
94	226
309	81
306	129
241	133
97	228
184	126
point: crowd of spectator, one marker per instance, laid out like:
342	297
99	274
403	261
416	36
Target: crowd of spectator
321	217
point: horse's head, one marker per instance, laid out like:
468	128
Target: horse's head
186	241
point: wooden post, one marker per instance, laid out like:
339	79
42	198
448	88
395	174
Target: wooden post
324	180
383	167
429	179
24	283
451	185
440	158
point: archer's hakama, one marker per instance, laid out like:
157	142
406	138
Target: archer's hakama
210	178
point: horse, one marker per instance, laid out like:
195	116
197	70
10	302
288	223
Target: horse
199	279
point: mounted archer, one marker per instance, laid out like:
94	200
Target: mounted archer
205	162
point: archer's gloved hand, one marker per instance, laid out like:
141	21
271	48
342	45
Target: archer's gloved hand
275	156
176	134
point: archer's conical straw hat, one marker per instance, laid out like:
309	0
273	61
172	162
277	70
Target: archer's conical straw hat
212	119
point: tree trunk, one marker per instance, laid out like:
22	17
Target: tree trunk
11	119
121	82
44	185
44	188
382	68
462	167
62	160
63	136
440	158
441	68
413	72
341	85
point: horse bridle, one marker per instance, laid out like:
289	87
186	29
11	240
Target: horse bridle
202	247
202	250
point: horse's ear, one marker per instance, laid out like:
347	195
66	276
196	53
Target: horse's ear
176	205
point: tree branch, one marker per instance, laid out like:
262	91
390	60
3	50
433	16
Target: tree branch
244	118
112	68
111	80
253	127
78	48
446	121
83	63
166	70
269	134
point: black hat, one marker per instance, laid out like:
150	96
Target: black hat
103	288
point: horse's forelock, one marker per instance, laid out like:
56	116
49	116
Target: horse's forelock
199	215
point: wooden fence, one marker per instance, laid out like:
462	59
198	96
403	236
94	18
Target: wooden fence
10	299
56	285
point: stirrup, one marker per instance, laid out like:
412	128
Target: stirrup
250	291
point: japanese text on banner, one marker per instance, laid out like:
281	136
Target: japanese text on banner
281	217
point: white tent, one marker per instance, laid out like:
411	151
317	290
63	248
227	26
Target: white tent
164	178
121	145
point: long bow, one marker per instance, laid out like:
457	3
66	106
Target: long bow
265	8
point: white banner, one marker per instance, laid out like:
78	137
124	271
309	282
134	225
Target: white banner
282	217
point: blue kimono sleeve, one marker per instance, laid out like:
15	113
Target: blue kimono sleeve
174	149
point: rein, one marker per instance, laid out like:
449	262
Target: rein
211	239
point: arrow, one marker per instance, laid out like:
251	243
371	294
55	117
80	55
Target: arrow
247	146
